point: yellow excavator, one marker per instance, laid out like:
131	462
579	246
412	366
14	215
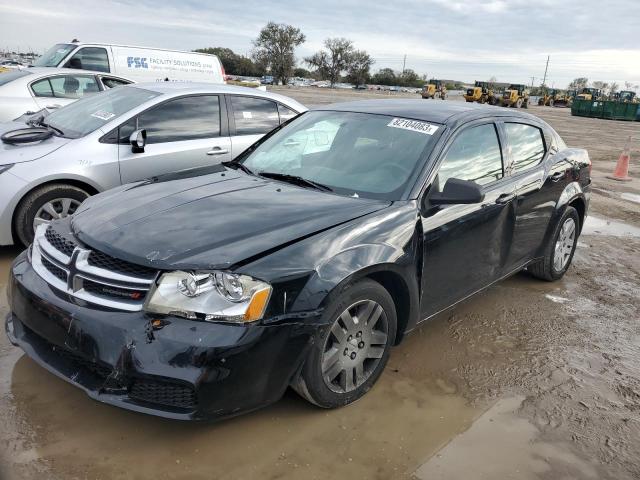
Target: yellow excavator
434	88
549	98
516	96
589	94
482	92
565	99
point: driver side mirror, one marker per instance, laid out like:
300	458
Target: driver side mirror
138	140
457	191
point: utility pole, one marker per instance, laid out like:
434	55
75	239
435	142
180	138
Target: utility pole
532	79
545	71
404	63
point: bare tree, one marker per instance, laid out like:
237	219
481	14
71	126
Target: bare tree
578	83
274	48
358	67
334	60
613	88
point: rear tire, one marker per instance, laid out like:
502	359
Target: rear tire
558	252
49	202
348	358
518	103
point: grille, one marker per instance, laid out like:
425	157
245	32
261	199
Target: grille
58	242
54	269
96	277
163	393
111	291
102	260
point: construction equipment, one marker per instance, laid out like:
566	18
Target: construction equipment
482	92
434	89
515	96
588	93
626	96
565	99
548	99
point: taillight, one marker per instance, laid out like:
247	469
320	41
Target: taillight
224	74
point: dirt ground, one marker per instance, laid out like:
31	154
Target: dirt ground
527	380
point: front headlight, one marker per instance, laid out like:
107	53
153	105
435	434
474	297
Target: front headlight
211	296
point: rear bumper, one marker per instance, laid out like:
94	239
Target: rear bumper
184	370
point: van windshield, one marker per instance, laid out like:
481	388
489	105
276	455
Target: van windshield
88	114
54	55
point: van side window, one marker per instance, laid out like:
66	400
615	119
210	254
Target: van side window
90	58
474	155
254	115
187	118
526	145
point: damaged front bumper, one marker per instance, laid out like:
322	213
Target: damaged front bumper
175	368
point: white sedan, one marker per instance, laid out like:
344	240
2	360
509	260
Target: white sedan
33	89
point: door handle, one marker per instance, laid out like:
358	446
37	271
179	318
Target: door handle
217	151
291	143
505	198
53	107
557	176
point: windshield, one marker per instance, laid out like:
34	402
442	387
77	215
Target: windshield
88	114
12	75
54	55
355	154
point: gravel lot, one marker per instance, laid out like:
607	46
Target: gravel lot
526	380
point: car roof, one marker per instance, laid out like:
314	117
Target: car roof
44	71
185	88
443	112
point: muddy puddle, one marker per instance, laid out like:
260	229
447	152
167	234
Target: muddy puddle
545	373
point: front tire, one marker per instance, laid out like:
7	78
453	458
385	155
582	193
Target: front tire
349	357
45	204
558	253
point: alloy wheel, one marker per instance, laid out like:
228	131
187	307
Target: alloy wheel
564	244
354	346
54	209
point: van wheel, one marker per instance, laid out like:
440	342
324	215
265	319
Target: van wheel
558	253
45	204
348	358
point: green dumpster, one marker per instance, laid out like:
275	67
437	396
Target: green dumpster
606	109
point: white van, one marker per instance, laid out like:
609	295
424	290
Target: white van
140	64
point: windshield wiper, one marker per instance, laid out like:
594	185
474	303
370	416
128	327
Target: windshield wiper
296	180
39	122
235	165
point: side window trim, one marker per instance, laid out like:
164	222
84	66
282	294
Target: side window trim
449	142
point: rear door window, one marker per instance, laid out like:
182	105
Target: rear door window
187	118
112	82
526	144
254	116
90	58
474	155
65	86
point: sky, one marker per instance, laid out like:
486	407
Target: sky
462	40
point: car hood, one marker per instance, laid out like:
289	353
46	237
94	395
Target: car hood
213	221
30	151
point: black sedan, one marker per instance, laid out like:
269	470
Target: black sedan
206	294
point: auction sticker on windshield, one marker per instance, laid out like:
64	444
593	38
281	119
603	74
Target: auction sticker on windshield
102	115
413	125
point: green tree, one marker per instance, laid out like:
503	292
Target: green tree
358	67
385	76
302	72
330	63
275	47
233	63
